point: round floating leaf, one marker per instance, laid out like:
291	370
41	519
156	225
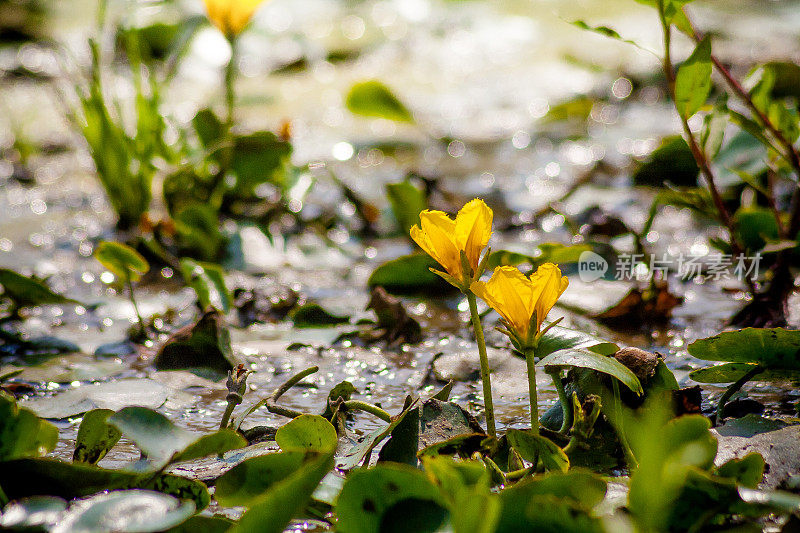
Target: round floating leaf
32	514
374	99
161	440
313	315
307	433
95	437
111	395
410	274
123	511
272	512
587	359
387	498
123	261
772	348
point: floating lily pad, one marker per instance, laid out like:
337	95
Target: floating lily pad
772	348
162	441
307	433
410	274
113	395
373	500
34	513
122	511
312	315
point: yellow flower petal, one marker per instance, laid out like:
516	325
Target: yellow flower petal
439	231
552	285
231	16
508	292
473	229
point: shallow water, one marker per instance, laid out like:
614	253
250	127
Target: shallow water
482	74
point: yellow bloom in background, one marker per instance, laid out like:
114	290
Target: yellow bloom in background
444	238
231	16
522	301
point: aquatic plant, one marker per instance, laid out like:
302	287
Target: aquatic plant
524	302
457	245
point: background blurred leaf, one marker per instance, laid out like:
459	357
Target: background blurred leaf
374	99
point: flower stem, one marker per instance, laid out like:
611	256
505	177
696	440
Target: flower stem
230	82
566	405
485	378
530	359
142	330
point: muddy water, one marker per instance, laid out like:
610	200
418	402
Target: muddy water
480	73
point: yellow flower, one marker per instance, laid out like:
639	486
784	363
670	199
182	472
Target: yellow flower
231	16
522	302
444	238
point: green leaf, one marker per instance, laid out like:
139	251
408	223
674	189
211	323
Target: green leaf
272	511
374	99
246	482
261	157
206	524
31	477
746	471
199	233
208	282
732	372
122	511
95	437
403	444
312	315
672	162
163	442
535	448
123	261
693	80
407	201
577	490
307	433
208	126
774	348
22	433
605	31
363	448
584	358
389	497
755	226
28	292
559	338
410	274
206	345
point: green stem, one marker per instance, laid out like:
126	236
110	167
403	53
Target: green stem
623	438
530	360
566	405
142	331
230	82
368	408
730	391
226	416
485	378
